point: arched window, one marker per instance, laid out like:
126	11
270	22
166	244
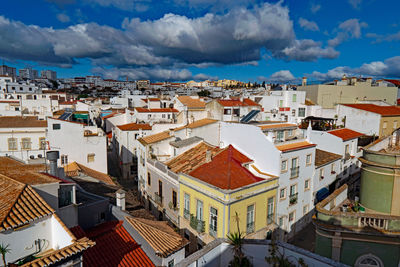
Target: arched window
368	260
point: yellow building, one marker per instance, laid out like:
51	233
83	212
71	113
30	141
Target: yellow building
227	193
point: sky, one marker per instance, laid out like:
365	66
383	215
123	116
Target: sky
179	40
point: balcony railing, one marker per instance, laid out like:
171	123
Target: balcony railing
294	172
158	199
197	224
212	231
293	199
186	214
250	227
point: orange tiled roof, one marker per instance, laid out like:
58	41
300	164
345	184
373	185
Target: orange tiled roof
150	99
150	139
196	124
191	159
226	171
73	169
192	103
114	247
323	157
277	126
156	110
134	127
19	204
345	134
21	122
384	111
237	102
160	236
294	146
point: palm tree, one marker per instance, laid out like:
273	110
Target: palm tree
4	250
236	241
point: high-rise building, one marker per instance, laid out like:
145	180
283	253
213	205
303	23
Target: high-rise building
28	73
9	71
49	74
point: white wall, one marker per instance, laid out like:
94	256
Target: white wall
359	120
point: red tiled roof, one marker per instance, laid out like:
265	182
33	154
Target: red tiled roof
225	170
382	110
294	146
150	99
395	82
134	127
114	246
345	134
150	110
236	102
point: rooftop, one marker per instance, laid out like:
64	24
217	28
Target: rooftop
160	236
196	124
154	138
156	110
382	110
346	134
192	103
134	127
114	246
237	102
74	169
294	146
226	170
278	126
323	157
191	159
21	122
185	142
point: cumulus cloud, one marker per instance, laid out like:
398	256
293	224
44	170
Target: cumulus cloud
63	17
307	50
386	69
350	28
308	25
282	76
381	38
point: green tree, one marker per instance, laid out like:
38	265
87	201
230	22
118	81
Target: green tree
4	250
204	93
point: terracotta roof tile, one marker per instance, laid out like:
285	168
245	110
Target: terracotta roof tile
150	139
73	169
226	171
237	103
191	159
382	110
114	247
196	124
278	126
294	146
345	134
192	103
153	110
21	122
19	204
323	157
160	236
134	127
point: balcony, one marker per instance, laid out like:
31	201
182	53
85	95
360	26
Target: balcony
186	214
197	224
212	231
158	199
294	172
293	199
250	227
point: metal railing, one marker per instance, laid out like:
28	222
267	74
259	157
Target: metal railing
158	199
294	172
293	199
197	224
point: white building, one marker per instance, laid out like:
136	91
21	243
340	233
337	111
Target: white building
231	109
86	145
156	115
191	108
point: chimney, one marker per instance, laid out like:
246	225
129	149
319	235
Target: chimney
304	81
208	156
120	194
53	156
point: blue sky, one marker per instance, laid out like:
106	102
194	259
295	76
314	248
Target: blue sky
248	40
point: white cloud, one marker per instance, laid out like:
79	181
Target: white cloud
315	8
308	25
308	50
355	3
282	76
350	28
63	17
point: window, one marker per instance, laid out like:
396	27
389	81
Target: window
250	219
148	178
186	209
163	116
64	159
302	112
308	159
295	162
305	209
279	135
280	103
12	144
307	184
199	212
294	98
174	199
384	126
26	143
293	190
347	149
333	168
171	263
56	126
270	210
132	169
42	143
290	132
236	112
227	111
149	116
160	188
281	222
90	157
284	166
282	193
368	260
169	116
345	170
291	216
213	221
321	173
294	171
293	112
